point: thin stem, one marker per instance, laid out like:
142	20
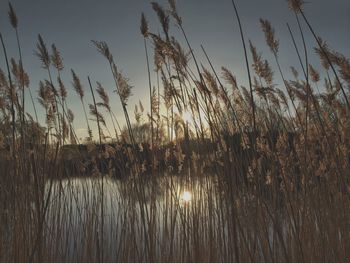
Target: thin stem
11	96
248	68
150	90
97	116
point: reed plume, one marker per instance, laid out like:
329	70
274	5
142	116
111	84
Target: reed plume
144	26
271	41
12	16
173	12
56	58
163	18
23	77
42	53
144	32
315	76
63	90
94	112
63	94
103	48
296	5
80	91
106	104
124	88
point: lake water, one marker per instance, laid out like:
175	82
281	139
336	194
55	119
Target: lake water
163	219
91	219
182	218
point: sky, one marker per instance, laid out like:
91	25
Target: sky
72	24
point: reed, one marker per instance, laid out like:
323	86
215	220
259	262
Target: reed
218	171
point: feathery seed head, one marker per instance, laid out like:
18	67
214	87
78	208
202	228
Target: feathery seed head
14	68
70	115
42	53
174	13
52	88
229	77
144	26
13	17
3	79
56	58
294	72
103	95
137	114
180	56
260	66
159	54
63	91
154	102
202	87
21	76
167	91
114	68
103	48
45	94
270	36
315	76
323	52
296	5
94	112
77	85
211	81
282	97
124	88
162	16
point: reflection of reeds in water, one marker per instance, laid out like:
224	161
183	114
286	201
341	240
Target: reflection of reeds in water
265	168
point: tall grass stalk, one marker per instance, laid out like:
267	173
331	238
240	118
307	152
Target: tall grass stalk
247	65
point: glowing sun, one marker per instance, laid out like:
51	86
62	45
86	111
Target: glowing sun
186	196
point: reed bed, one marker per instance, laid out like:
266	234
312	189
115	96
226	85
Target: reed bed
212	171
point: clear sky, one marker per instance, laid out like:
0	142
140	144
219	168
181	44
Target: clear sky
71	24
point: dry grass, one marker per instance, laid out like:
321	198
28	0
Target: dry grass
267	167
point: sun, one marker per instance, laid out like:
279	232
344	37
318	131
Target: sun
186	196
187	116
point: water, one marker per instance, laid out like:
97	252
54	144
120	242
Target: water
91	219
181	218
